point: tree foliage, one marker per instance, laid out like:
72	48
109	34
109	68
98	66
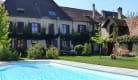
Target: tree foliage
4	26
97	38
87	50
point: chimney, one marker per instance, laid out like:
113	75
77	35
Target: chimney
119	13
93	5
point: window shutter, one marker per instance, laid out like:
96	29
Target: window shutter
25	44
61	44
78	28
15	43
55	43
10	27
48	43
67	29
51	29
39	27
20	27
30	27
84	28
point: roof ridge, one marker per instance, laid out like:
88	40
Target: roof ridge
75	8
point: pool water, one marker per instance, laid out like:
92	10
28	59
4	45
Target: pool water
54	71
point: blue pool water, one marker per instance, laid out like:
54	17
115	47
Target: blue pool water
54	71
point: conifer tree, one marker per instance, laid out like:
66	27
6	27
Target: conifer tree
4	26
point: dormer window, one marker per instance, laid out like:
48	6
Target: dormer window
52	13
20	10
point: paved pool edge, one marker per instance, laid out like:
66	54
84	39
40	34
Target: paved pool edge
125	71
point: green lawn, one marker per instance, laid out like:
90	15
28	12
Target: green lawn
124	62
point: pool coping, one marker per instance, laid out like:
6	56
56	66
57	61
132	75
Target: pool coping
125	71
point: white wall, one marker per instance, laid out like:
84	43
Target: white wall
46	22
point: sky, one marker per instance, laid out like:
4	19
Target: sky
111	5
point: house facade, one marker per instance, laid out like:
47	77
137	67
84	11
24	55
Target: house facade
41	21
114	30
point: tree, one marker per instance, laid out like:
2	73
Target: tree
87	50
97	38
4	26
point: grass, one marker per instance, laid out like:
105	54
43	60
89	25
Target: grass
123	62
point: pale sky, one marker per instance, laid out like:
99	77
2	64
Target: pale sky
112	5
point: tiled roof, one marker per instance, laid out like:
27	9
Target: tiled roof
79	14
120	22
117	22
107	14
35	9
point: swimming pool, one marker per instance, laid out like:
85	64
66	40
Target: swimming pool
53	71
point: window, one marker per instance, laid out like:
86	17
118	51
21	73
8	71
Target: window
52	13
34	42
65	29
35	28
20	10
20	43
81	28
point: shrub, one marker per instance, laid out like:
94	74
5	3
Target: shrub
4	54
13	55
135	49
87	50
35	52
52	53
78	49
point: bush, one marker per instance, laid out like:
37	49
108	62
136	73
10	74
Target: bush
35	52
135	50
14	55
78	49
52	53
4	54
87	50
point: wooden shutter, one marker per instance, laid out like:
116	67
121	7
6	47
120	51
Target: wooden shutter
51	29
25	44
61	44
10	27
55	43
20	27
15	43
39	27
67	28
84	28
78	28
30	27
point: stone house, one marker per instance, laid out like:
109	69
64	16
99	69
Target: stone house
113	28
47	16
